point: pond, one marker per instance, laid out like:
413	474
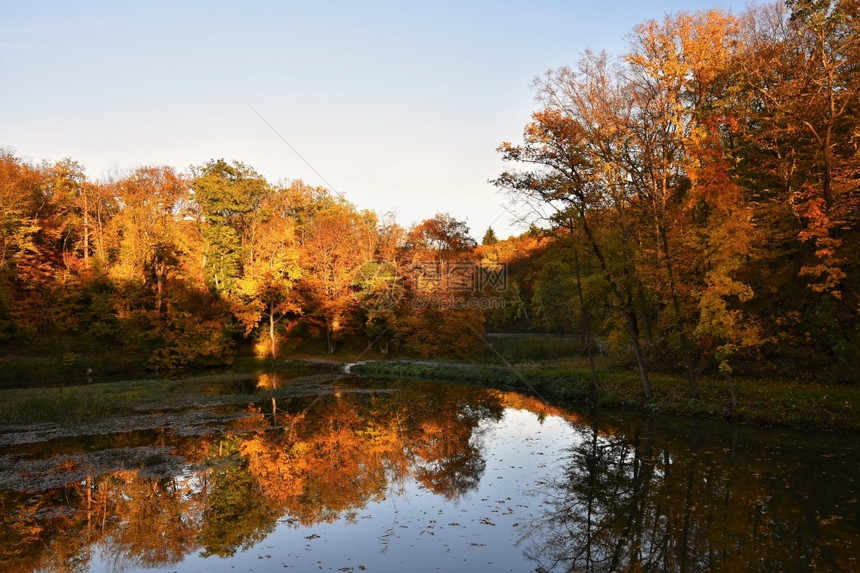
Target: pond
372	475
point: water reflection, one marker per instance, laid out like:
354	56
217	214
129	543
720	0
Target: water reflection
623	493
318	460
640	498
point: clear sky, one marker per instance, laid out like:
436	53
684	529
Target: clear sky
398	105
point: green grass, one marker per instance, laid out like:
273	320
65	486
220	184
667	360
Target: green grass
532	347
74	403
778	403
87	401
70	403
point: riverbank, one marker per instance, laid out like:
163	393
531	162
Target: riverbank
791	404
91	402
772	403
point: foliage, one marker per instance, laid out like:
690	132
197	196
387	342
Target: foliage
695	207
702	176
489	237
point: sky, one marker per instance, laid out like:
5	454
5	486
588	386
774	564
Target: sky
399	106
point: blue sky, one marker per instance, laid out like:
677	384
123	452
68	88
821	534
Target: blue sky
398	105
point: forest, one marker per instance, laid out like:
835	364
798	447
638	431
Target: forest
693	208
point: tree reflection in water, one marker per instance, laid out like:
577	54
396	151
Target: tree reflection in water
628	493
628	500
325	459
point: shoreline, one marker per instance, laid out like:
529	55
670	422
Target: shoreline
787	404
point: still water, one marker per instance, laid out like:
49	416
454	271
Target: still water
393	476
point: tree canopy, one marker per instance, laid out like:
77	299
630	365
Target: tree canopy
694	207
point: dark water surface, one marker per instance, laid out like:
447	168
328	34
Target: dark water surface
393	476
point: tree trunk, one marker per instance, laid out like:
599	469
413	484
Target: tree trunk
100	242
640	361
159	284
329	336
625	306
586	322
272	330
732	392
679	319
86	233
89	501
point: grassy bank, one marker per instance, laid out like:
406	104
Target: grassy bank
87	401
72	403
778	403
783	403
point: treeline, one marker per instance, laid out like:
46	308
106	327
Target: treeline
703	192
698	202
184	267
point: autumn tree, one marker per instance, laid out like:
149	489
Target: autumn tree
378	285
226	195
19	226
678	68
440	275
77	205
335	240
797	151
640	156
271	268
574	145
441	237
147	228
32	253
